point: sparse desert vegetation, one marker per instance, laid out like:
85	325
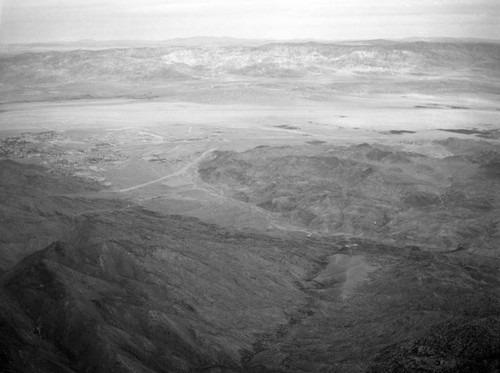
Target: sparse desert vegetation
266	207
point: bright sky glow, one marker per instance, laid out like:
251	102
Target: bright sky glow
66	20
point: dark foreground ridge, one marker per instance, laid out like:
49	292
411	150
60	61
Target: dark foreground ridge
124	289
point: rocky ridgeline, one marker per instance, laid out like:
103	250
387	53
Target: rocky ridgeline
373	191
271	60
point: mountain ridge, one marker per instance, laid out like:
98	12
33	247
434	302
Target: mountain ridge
208	40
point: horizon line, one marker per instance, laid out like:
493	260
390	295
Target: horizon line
269	40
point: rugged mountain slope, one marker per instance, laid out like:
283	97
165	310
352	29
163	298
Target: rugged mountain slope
124	289
156	66
417	312
373	191
35	209
130	289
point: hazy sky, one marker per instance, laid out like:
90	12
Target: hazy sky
54	20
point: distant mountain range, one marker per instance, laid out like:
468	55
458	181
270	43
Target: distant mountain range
473	66
226	41
105	44
272	59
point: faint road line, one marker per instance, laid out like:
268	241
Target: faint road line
176	173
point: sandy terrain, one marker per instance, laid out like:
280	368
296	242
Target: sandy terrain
160	142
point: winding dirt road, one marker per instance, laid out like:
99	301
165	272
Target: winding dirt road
173	174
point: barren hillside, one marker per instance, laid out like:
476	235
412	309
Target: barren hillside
107	72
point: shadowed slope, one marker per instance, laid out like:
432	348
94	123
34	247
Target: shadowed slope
132	290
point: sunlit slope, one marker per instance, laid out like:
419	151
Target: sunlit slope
373	191
471	66
296	59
